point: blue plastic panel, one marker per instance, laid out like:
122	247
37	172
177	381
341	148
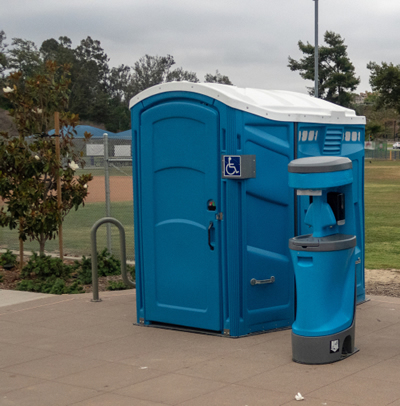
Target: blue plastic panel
269	216
325	288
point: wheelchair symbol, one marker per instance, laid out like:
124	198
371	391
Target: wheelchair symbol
232	166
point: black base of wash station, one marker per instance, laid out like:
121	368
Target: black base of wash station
324	349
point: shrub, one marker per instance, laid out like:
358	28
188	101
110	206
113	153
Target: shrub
107	264
45	274
52	285
8	258
44	266
117	285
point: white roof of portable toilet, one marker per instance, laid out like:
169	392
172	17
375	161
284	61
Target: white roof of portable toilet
279	105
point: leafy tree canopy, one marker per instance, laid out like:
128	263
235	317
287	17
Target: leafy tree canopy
336	73
385	81
24	57
3	58
152	70
217	78
29	167
98	93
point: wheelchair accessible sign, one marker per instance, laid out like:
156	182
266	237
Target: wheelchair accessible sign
232	165
238	166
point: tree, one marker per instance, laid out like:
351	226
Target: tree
28	164
59	51
179	74
90	76
149	71
381	120
372	129
3	66
385	81
3	57
117	90
217	78
89	81
118	82
24	57
336	73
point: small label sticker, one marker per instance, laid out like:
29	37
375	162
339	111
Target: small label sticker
232	165
334	346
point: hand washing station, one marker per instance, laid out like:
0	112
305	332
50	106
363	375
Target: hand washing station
324	261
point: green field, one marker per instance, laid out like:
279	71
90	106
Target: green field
382	219
76	231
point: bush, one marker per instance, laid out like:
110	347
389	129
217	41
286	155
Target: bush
117	285
8	258
107	264
84	270
52	285
44	266
45	274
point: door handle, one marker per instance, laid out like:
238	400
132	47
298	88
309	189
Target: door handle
262	282
209	235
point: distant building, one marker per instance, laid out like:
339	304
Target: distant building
360	98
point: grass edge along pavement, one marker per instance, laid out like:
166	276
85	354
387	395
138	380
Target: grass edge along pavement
382	217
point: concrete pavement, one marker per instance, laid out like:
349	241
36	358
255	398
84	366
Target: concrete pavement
66	350
10	297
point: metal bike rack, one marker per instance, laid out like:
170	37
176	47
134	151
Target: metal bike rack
93	238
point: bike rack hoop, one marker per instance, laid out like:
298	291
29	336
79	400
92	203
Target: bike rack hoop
122	243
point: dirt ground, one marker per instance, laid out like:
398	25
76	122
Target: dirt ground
121	189
382	282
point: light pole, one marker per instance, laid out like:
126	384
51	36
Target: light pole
316	51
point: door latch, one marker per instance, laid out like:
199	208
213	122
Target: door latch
262	282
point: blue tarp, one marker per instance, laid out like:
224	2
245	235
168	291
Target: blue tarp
98	132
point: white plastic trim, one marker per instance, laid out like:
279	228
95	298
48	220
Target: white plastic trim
279	105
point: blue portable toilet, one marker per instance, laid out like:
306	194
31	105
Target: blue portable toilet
213	209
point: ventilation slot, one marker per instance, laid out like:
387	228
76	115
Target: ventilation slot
333	142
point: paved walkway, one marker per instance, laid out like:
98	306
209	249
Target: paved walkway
66	350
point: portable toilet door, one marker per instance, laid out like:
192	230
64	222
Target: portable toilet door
201	235
179	193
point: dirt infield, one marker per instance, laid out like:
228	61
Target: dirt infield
121	189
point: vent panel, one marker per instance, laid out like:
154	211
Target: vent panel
333	142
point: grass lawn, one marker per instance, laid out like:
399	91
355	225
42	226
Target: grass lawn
76	231
382	218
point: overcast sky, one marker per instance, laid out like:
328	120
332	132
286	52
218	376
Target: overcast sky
248	40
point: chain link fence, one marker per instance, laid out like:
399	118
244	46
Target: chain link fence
382	154
109	160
